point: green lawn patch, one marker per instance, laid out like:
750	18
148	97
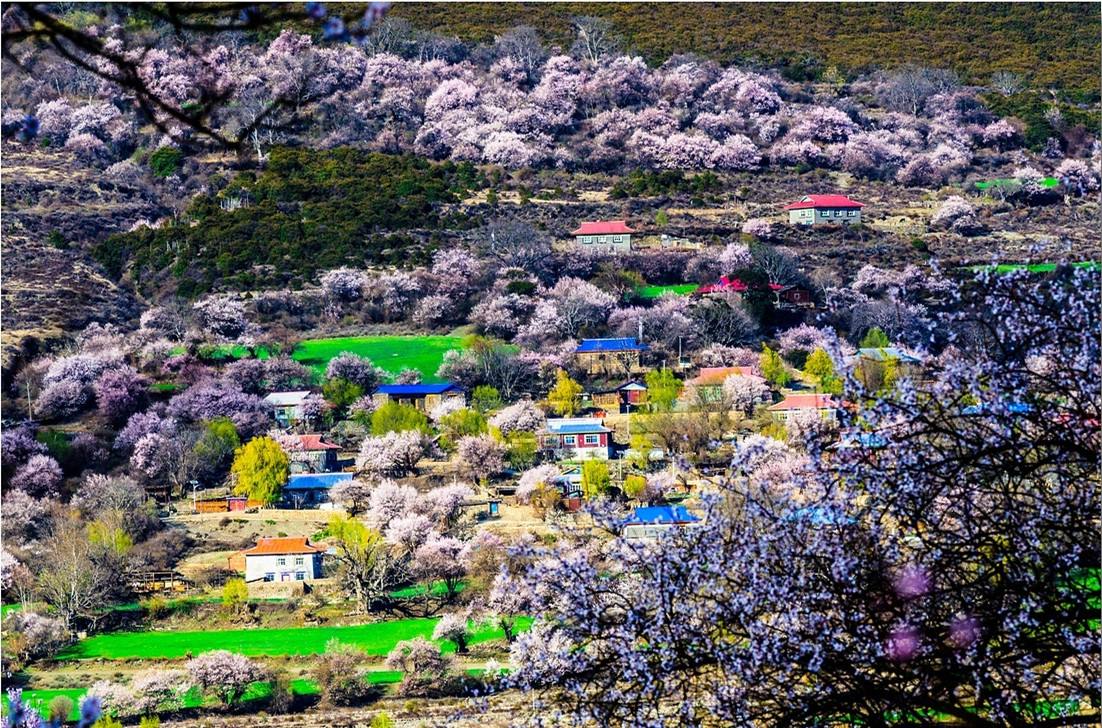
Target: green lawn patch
7	609
391	353
651	292
1092	265
1047	182
375	639
438	589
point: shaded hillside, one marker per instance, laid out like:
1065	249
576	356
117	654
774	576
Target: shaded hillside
52	208
1051	44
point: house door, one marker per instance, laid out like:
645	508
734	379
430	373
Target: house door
285	576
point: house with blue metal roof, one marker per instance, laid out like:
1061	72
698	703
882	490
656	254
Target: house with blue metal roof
310	490
653	521
611	356
577	438
422	396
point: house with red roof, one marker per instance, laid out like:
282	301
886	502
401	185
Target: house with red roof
311	454
604	236
291	558
824	209
824	404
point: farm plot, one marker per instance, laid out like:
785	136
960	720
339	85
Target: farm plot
375	639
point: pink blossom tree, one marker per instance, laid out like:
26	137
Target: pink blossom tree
393	454
522	416
481	456
354	495
120	392
425	669
388	501
440	559
409	532
39	477
745	392
225	674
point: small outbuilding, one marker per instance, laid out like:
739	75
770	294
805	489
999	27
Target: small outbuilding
653	521
287	406
824	209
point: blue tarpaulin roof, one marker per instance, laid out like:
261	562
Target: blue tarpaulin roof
576	429
315	481
418	390
628	344
661	514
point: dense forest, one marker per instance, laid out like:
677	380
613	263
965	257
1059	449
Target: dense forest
1048	43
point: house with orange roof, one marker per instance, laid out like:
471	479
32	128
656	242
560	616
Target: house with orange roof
826	406
290	558
603	236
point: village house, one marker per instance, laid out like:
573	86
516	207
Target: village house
811	402
287	406
577	438
611	357
625	398
650	522
312	454
603	236
424	397
792	297
707	385
310	490
824	209
291	558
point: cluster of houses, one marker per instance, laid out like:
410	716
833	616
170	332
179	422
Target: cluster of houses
614	236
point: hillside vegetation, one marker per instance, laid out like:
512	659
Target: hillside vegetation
308	211
1048	43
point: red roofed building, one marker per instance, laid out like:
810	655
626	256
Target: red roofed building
605	236
311	454
291	558
823	403
823	209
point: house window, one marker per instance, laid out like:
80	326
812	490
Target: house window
850	213
837	213
592	440
300	576
298	561
569	440
270	576
281	561
824	213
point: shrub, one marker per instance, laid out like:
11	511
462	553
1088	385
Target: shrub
165	162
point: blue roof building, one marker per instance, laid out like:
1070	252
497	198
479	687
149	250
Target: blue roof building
887	353
422	396
653	521
577	438
311	489
610	345
611	357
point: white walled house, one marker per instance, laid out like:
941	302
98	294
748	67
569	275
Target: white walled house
603	236
283	559
824	210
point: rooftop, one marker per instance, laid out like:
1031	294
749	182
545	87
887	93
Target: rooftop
418	390
575	426
313	443
315	481
287	399
595	345
711	376
648	515
603	227
804	401
266	546
886	353
815	201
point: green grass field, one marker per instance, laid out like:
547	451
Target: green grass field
681	289
392	353
1093	265
375	639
